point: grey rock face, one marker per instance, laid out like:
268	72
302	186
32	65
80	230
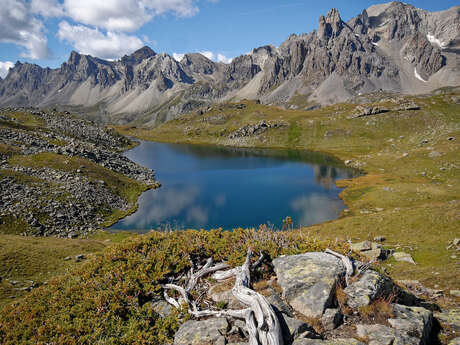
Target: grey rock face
209	331
411	326
279	304
294	329
450	317
331	319
370	286
327	342
309	281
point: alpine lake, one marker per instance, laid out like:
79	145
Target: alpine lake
209	187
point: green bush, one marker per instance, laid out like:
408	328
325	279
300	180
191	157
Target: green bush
106	300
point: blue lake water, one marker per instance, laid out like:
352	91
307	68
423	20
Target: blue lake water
207	187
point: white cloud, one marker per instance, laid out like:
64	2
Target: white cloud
178	57
124	15
223	58
47	8
18	26
4	67
208	54
110	45
216	57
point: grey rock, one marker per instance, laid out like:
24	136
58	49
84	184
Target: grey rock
294	329
370	286
279	304
163	308
209	331
308	281
338	341
434	154
449	317
361	111
455	293
331	319
372	250
411	326
224	296
455	341
401	256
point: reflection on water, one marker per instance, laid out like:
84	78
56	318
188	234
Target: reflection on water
210	187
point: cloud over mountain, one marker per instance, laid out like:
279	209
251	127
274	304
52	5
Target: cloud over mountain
20	27
92	27
109	45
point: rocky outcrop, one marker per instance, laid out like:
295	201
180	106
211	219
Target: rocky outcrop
209	331
256	129
370	286
341	341
309	281
392	47
411	326
62	202
306	280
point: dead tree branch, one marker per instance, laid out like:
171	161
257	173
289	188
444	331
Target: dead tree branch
263	325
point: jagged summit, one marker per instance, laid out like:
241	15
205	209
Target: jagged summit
138	56
393	47
331	25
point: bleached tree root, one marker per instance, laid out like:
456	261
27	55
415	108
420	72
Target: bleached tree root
261	320
346	262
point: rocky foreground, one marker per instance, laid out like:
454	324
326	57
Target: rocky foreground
315	305
60	176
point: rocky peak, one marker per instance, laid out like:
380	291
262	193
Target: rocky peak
138	56
197	63
74	58
331	25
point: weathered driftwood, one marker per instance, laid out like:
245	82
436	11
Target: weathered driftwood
346	262
261	320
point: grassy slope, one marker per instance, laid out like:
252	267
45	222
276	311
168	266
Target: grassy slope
410	199
39	259
106	299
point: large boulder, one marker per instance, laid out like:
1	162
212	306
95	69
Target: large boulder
209	331
371	250
280	305
370	286
450	317
410	326
309	281
327	342
331	319
294	329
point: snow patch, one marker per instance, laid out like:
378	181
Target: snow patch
375	44
418	76
433	40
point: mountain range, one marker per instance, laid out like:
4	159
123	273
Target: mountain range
392	47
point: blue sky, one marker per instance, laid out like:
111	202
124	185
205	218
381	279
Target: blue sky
46	31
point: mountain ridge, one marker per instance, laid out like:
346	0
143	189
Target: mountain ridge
391	47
